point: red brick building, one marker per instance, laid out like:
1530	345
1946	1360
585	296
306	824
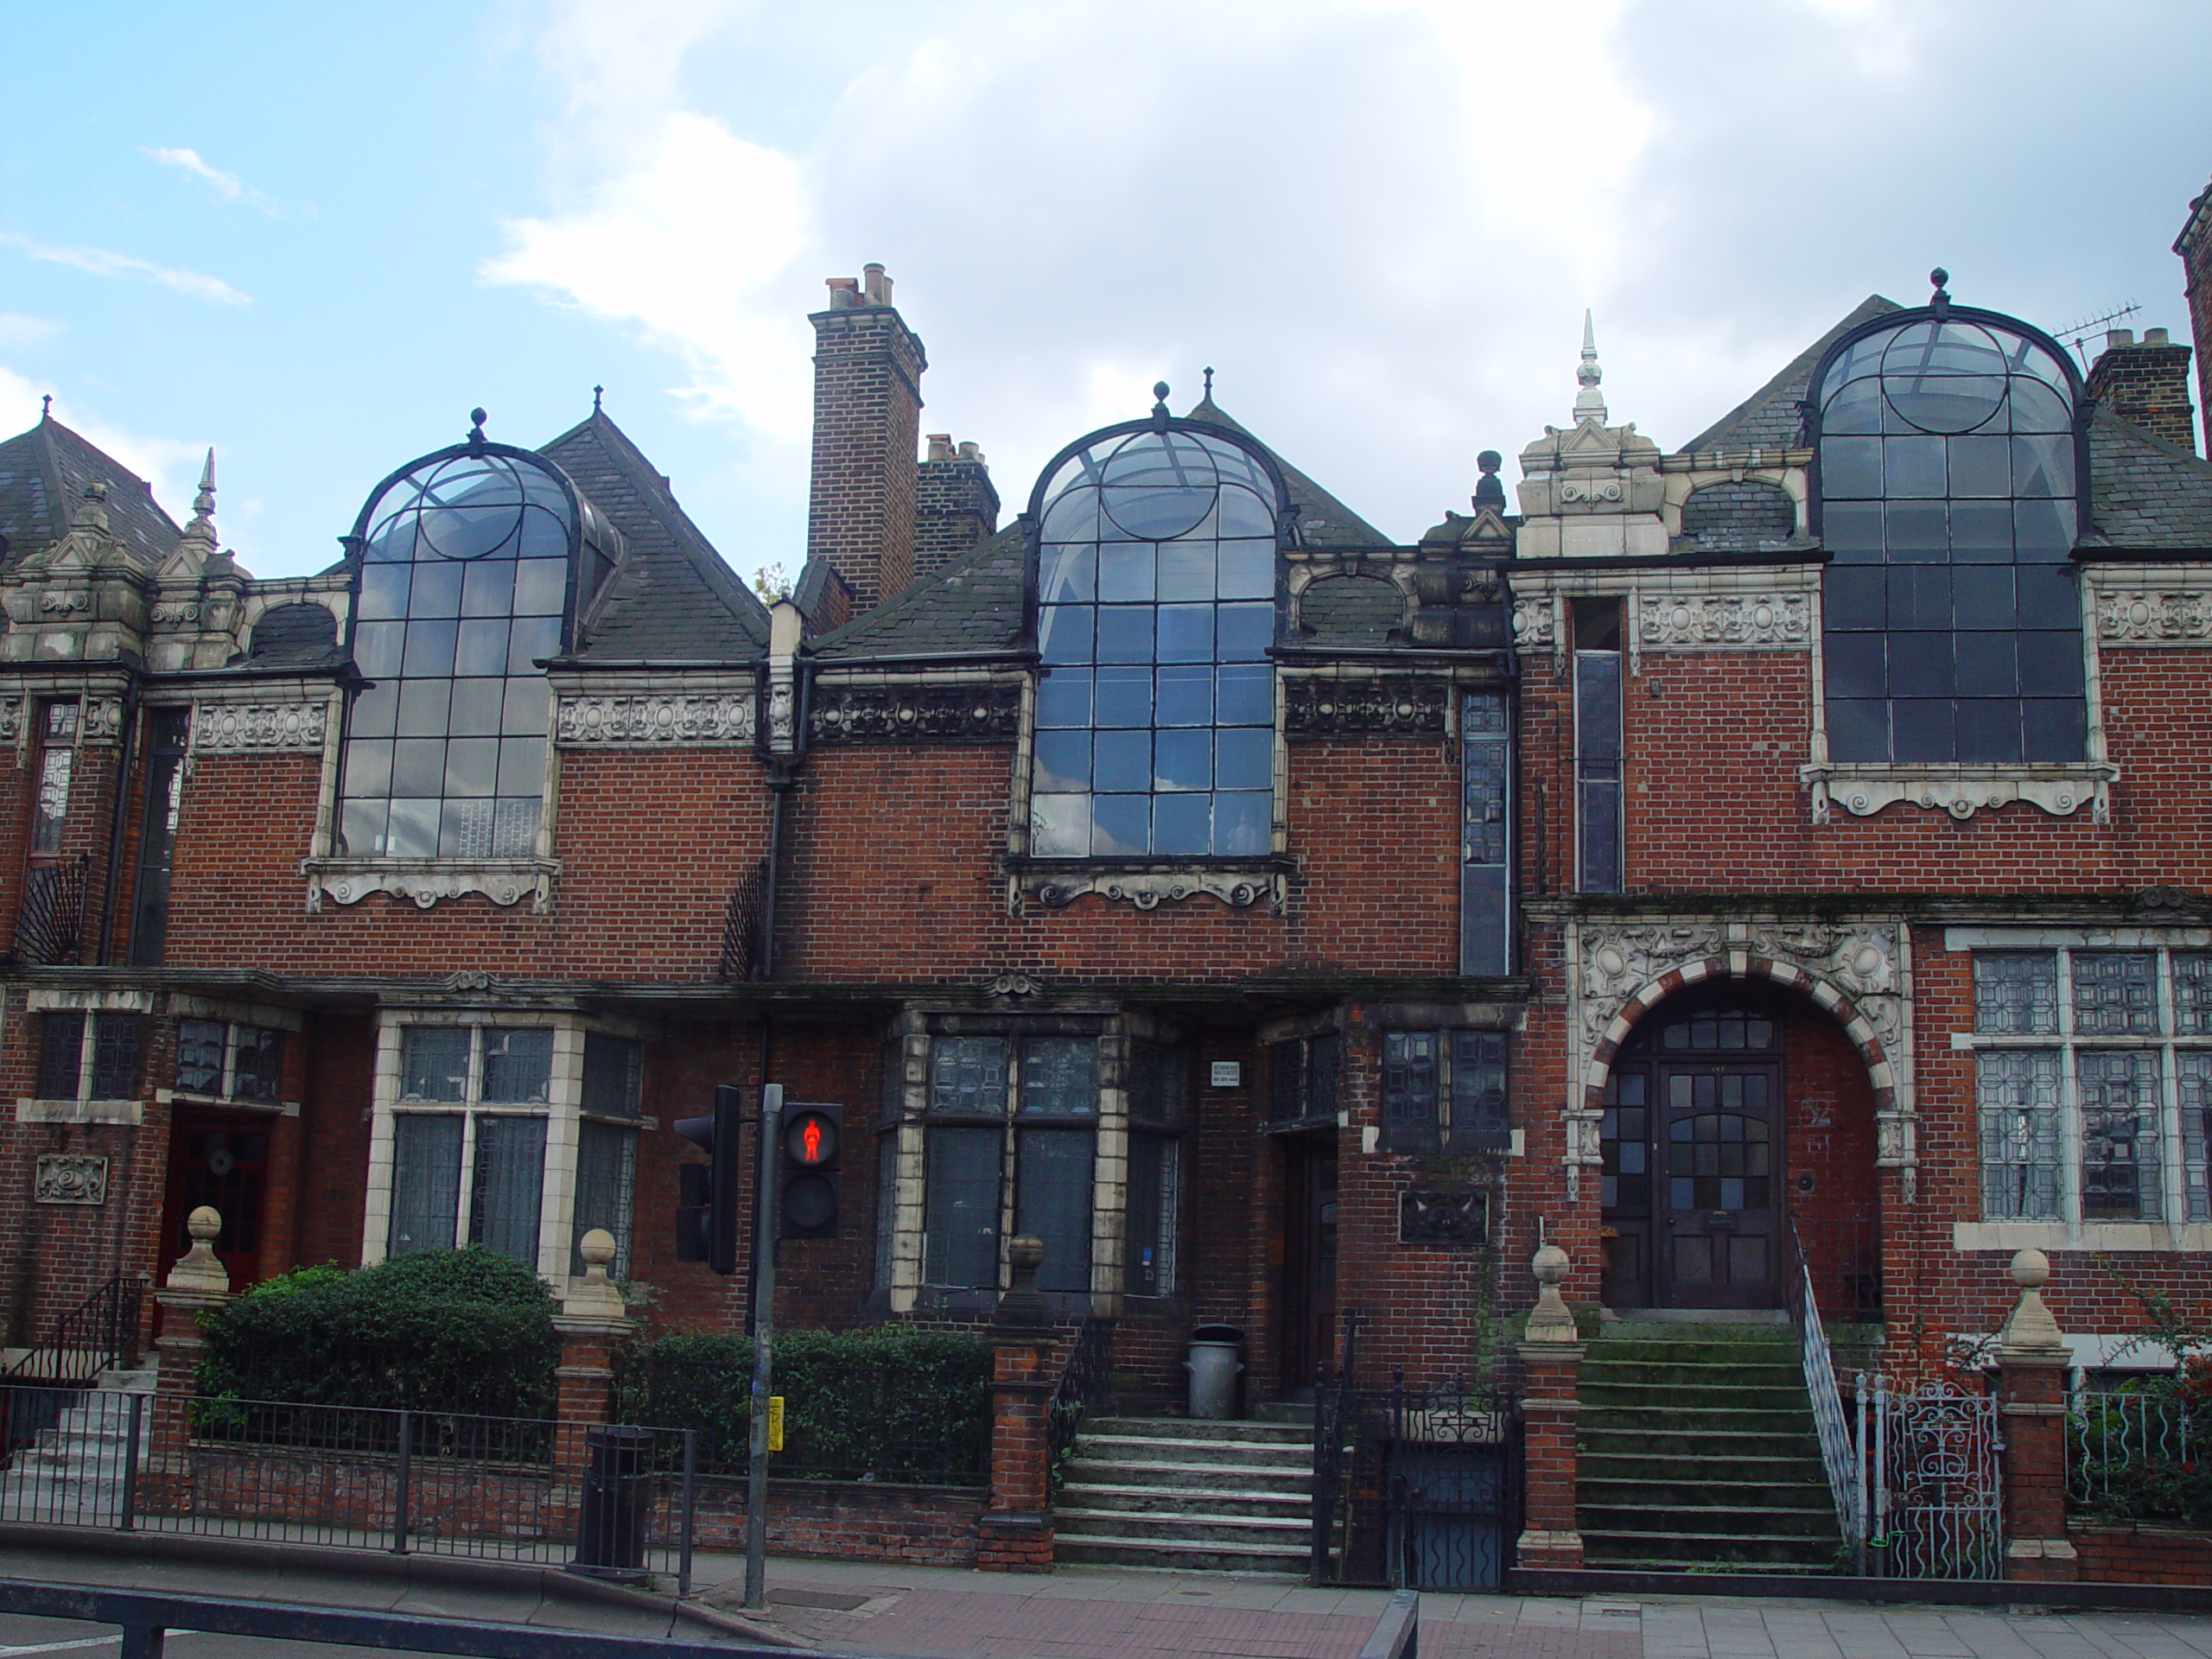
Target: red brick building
1796	835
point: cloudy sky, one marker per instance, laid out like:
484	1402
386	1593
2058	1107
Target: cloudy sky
313	236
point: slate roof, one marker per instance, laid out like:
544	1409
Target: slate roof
2144	492
973	603
43	474
672	599
1773	417
1323	521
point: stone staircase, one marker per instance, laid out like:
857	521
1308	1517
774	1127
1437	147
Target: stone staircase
73	1473
1696	1452
1199	1497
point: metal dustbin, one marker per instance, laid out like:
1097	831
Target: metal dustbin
1215	1364
617	1492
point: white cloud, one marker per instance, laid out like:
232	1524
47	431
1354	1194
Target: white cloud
228	186
170	464
99	261
18	331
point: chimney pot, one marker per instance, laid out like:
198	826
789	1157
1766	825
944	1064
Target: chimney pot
2116	338
875	285
940	445
2155	337
844	293
970	450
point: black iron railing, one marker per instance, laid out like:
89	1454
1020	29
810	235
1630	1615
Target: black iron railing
98	1334
1085	1387
1331	1417
745	928
50	925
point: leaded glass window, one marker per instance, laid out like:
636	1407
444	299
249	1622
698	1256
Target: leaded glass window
1485	914
1597	747
2192	993
1156	590
465	585
2193	1078
2120	1136
2016	993
1409	1089
607	1162
1477	1118
226	1061
2019	1110
1948	499
479	1176
2115	993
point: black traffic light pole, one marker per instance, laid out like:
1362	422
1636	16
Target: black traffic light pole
764	1310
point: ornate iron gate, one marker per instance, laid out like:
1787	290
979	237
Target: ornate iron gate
1933	1464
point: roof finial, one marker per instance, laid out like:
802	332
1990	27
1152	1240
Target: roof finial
476	431
45	407
1490	492
205	501
1589	403
1941	302
595	392
1209	383
1160	417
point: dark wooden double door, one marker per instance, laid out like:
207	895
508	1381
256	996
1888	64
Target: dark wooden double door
1693	1200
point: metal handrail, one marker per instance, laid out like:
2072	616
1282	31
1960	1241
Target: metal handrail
99	1332
1331	1407
1085	1386
1838	1459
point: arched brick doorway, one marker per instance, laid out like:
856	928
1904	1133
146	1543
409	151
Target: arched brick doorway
1734	1112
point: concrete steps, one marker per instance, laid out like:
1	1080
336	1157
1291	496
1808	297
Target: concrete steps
1190	1496
1696	1449
73	1471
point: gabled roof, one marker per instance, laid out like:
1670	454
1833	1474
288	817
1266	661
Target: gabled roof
672	599
1774	416
43	474
2144	492
972	604
1323	521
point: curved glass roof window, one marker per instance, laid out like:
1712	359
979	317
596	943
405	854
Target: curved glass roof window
1950	480
1156	589
467	563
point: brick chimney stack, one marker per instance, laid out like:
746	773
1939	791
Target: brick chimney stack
2146	384
867	414
959	504
2195	246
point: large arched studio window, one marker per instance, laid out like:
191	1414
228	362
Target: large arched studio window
1950	476
467	571
1155	716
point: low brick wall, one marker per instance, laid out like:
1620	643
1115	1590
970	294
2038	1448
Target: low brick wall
847	1520
2139	1553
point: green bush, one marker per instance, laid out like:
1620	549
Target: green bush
455	1331
891	1403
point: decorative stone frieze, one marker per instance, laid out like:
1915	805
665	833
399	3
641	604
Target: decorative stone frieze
70	1177
176	612
11	719
1238	889
258	728
2141	616
1961	791
1329	706
425	881
1533	622
65	603
654	720
914	712
1751	621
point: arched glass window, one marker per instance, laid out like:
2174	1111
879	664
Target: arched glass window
465	561
1950	485
1155	716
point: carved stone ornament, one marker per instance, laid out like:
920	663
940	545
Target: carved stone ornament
11	719
103	720
1012	985
2154	616
176	613
426	881
650	720
258	727
1960	790
1460	1217
1724	622
1836	963
1533	622
1321	706
1239	889
914	714
64	604
70	1177
469	979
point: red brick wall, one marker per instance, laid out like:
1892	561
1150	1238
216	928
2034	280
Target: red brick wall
867	408
2140	1554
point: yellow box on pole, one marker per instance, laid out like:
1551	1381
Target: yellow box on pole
775	1422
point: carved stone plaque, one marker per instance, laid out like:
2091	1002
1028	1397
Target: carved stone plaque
1457	1216
70	1177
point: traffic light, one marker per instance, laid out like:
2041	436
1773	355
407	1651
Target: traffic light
806	1186
706	1219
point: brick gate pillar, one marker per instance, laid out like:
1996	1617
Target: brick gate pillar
2032	1359
1014	1532
593	1322
1551	1353
198	1284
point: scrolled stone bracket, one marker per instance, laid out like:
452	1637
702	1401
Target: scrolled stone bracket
506	882
2059	790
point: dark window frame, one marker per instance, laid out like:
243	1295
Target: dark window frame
1455	1097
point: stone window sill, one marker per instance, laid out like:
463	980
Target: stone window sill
1240	883
2115	1236
1863	788
79	1111
426	880
186	1097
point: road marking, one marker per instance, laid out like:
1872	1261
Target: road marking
82	1642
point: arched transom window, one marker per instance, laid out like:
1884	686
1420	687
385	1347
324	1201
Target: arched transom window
1155	714
466	586
1949	488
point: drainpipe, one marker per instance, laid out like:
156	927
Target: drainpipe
125	745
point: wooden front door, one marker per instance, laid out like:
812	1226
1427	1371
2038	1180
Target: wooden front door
1309	1314
1717	1184
220	1160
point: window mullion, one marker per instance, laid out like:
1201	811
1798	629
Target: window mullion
2072	1147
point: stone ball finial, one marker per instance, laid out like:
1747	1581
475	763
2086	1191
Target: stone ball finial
1025	1252
2031	1269
597	1249
1550	1320
1549	1265
1938	276
199	1271
1489	461
203	1223
1159	390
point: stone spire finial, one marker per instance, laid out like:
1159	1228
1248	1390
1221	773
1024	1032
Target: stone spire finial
1589	403
1489	491
203	504
45	407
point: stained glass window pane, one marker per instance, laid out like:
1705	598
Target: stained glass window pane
2115	993
2192	972
257	1060
1410	1119
60	1055
2016	993
1059	1077
518	1067
2019	1112
968	1075
116	1041
200	1056
434	1063
2119	1135
2194	1078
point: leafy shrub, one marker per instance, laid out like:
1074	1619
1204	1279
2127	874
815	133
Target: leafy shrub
891	1403
455	1331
